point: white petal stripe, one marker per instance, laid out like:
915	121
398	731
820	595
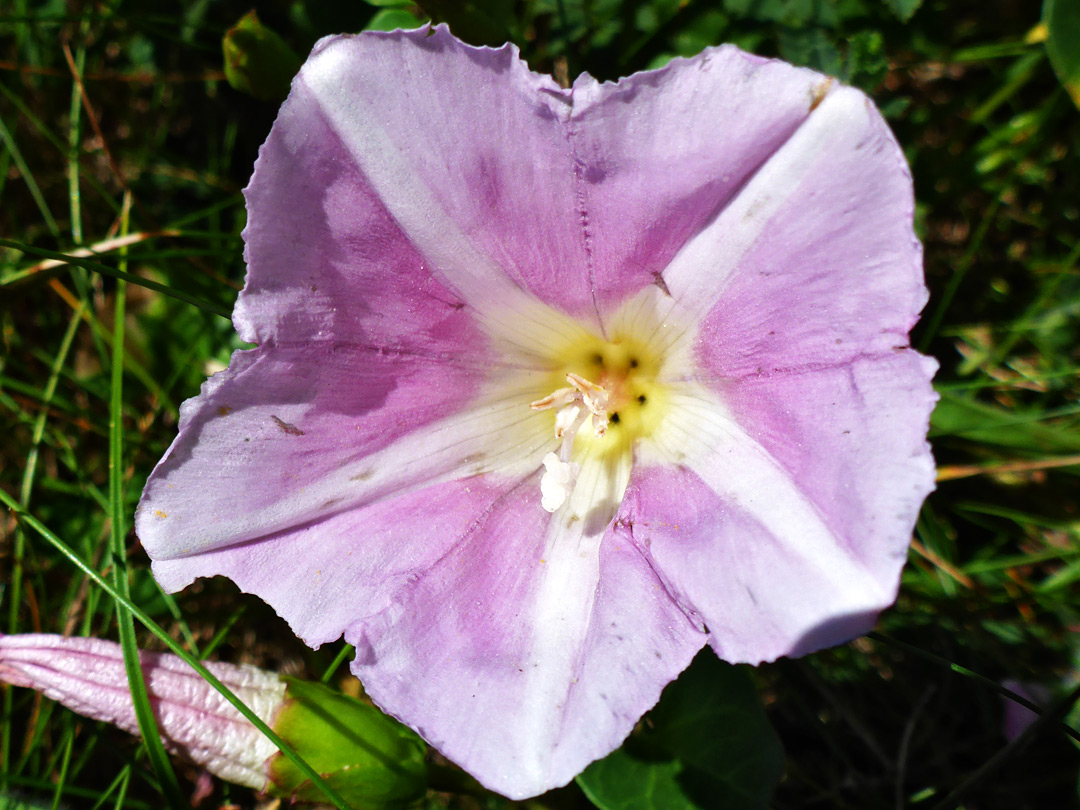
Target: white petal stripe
699	272
505	310
498	433
699	434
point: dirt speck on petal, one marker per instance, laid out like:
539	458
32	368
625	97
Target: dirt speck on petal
292	430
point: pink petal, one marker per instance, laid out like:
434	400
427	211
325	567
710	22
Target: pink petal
326	260
792	537
815	261
87	675
354	154
324	575
660	153
281	438
530	648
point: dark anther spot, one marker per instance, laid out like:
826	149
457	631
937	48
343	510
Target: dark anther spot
633	362
614	419
641	399
598	359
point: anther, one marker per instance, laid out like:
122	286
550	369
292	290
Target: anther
575	404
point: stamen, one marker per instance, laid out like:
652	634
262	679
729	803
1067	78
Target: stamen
583	399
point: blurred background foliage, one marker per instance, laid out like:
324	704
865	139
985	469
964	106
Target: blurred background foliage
126	135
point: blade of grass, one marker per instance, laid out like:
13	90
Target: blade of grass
73	141
121	795
345	652
105	270
14	594
975	676
77	792
28	178
119	784
933	323
87	176
155	628
223	631
62	779
94	250
140	699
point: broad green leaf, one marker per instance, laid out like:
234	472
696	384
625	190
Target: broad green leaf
1062	19
904	9
258	61
706	745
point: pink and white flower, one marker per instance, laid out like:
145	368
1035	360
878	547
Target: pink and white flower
555	386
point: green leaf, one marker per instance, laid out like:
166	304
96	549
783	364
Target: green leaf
865	65
371	760
904	9
707	744
258	61
388	19
1062	19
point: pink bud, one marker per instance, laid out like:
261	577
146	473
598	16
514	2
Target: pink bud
87	676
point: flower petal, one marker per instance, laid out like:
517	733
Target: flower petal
292	435
326	260
518	226
324	575
541	639
660	153
797	503
815	261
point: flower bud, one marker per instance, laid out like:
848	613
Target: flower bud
370	759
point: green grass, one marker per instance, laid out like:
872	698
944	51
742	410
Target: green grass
115	118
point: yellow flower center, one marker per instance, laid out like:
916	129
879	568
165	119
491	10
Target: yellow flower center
602	395
626	370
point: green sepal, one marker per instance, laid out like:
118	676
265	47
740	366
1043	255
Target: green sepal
258	61
371	760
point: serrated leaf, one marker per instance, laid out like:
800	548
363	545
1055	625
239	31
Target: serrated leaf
258	61
904	9
706	745
1062	19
